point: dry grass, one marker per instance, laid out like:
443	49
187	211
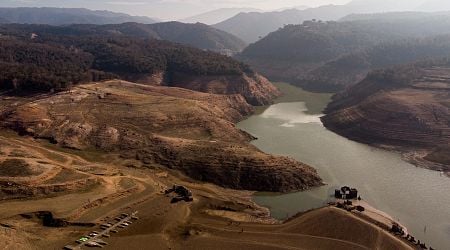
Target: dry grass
16	168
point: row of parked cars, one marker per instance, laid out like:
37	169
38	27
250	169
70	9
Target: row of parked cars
93	238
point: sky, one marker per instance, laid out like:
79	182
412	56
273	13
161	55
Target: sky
167	9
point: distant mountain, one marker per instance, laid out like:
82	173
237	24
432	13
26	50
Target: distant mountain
299	7
63	16
351	68
216	16
253	26
196	35
330	56
199	35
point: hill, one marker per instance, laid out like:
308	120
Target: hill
180	129
196	35
216	16
349	69
406	107
52	60
63	16
329	56
200	36
252	26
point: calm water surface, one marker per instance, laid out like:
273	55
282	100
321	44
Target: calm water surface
418	198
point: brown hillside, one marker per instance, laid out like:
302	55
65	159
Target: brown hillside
185	130
410	112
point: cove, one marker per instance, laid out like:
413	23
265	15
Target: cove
418	198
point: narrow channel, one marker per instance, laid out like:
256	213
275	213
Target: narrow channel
416	197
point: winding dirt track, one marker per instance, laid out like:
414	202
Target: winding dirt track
164	225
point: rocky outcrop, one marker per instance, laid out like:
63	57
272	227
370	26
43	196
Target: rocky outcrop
407	108
12	190
188	131
230	165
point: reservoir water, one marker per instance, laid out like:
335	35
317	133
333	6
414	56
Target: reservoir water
416	197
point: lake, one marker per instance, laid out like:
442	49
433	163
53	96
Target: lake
418	198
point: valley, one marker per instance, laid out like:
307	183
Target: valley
383	177
85	133
266	127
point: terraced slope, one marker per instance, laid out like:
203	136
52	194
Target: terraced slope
408	108
181	129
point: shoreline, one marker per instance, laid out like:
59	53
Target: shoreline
414	156
204	219
370	215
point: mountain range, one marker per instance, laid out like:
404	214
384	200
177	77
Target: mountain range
63	16
218	15
330	56
253	26
196	35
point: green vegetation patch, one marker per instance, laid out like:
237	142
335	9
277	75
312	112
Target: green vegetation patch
57	60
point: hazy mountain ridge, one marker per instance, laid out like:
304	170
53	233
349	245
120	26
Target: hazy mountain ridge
252	26
196	35
329	56
64	16
216	16
352	68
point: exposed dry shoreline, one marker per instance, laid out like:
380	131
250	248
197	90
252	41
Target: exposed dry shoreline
216	215
136	181
189	131
405	110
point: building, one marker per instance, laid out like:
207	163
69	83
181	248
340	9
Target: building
346	193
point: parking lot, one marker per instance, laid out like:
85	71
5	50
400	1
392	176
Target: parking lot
94	238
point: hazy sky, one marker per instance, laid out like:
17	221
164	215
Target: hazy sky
167	9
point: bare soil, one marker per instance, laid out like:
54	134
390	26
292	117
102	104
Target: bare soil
15	168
